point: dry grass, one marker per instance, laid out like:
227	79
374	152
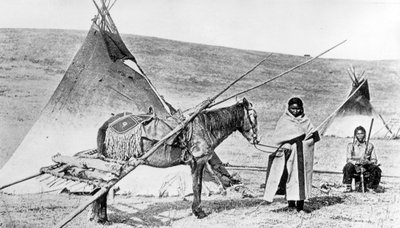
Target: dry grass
32	63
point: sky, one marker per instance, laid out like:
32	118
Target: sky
371	27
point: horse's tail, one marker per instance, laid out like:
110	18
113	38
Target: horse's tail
101	137
101	134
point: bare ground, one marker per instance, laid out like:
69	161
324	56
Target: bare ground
333	209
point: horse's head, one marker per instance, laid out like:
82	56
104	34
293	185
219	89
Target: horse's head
249	127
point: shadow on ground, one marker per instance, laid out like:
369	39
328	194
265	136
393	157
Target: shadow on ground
163	214
317	203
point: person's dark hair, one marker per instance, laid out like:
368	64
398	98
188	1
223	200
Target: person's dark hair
358	129
295	100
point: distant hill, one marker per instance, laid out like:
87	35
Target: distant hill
32	62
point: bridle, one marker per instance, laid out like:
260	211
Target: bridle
255	142
252	124
253	127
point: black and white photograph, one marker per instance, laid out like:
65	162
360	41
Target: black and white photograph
212	113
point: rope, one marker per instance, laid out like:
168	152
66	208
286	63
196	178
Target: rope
263	169
268	146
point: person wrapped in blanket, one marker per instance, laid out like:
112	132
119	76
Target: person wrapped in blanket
361	158
290	168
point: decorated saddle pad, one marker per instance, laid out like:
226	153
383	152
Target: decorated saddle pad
123	137
128	122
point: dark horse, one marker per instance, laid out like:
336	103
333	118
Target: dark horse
202	136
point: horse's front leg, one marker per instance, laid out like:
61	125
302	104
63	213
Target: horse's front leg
197	166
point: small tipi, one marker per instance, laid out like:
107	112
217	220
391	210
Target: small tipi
355	111
103	78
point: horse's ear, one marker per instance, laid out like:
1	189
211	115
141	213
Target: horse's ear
245	102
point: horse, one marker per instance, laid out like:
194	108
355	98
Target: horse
195	146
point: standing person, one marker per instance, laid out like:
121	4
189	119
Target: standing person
361	158
290	168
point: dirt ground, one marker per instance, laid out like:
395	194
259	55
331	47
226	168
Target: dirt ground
335	208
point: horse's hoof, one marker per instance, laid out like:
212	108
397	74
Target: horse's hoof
200	214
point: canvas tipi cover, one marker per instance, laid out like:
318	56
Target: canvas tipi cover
102	79
356	111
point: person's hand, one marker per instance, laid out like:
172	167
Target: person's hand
316	136
205	102
358	168
286	147
280	153
364	162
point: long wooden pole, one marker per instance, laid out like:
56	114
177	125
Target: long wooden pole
19	181
242	76
238	79
337	109
278	76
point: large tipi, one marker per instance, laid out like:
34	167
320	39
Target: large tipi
356	111
103	78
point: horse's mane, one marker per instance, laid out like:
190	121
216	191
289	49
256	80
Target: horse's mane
226	118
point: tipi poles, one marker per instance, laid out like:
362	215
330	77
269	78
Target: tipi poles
352	73
353	76
103	19
109	8
19	181
386	125
337	109
280	75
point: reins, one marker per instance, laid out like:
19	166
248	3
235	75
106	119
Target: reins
267	146
255	143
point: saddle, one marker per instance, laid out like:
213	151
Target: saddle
125	135
127	122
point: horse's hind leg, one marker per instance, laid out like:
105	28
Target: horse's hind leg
197	166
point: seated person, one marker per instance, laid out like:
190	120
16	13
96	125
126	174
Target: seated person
361	158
